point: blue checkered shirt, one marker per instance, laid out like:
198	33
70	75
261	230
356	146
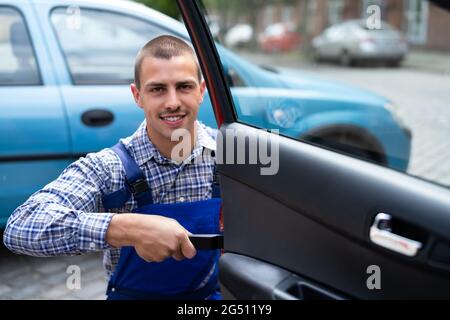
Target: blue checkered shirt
67	216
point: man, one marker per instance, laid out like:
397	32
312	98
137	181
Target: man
162	196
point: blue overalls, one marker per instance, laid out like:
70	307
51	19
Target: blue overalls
189	279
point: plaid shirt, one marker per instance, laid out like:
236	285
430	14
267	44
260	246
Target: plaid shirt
67	217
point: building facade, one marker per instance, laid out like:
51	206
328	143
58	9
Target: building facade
424	24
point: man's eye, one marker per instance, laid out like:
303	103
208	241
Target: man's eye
156	90
185	87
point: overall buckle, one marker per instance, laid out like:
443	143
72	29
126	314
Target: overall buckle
138	187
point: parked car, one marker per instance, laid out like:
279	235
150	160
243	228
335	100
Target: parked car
65	71
326	226
353	41
239	36
279	37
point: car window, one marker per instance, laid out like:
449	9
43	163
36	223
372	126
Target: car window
335	32
107	44
382	26
328	32
18	63
100	46
378	96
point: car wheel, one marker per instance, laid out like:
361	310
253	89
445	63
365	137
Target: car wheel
351	143
315	55
345	59
394	63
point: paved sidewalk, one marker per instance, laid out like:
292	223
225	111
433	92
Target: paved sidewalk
31	278
428	60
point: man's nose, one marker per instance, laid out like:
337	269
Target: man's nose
172	101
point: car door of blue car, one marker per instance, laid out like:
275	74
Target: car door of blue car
34	138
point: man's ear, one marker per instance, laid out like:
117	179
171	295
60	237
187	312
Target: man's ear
202	89
136	95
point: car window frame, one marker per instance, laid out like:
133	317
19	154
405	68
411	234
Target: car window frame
214	74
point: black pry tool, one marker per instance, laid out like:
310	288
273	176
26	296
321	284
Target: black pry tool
207	241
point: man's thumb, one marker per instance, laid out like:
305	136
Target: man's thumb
187	248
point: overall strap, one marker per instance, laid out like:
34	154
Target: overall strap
135	182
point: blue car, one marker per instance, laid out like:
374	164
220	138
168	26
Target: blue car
65	71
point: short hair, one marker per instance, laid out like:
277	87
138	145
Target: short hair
163	47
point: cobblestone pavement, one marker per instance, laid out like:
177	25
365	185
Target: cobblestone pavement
24	277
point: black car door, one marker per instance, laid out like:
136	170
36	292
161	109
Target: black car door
326	225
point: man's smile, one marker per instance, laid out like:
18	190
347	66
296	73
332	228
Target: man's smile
173	119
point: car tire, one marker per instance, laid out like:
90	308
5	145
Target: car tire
345	59
396	63
315	56
350	143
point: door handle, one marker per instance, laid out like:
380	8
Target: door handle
382	235
97	118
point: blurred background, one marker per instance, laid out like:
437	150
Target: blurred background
293	25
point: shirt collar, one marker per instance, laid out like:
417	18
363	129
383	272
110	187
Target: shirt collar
144	150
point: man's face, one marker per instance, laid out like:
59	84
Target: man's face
170	94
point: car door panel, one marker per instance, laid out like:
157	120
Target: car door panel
262	226
264	281
427	204
116	100
290	224
34	147
314	218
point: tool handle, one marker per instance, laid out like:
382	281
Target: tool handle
207	241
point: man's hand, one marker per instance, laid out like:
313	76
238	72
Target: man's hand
155	238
